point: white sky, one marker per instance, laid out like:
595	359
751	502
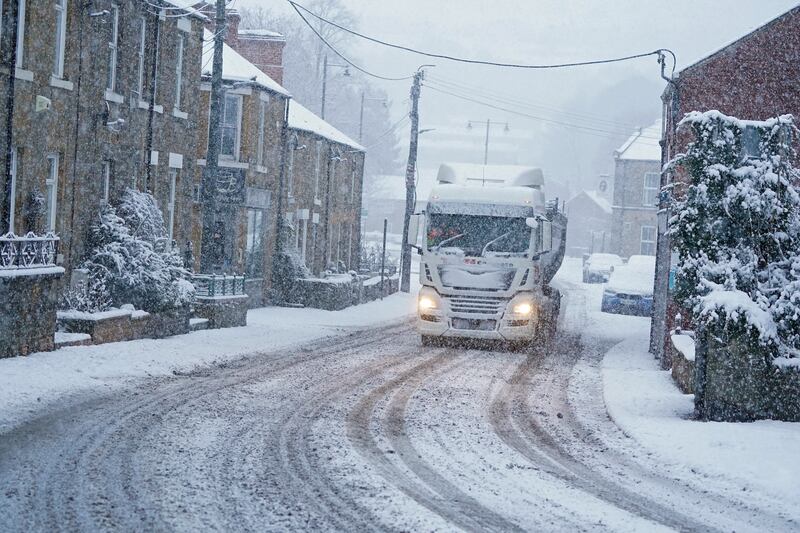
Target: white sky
545	31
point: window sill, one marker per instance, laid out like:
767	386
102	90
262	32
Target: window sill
60	83
177	113
111	96
226	163
291	200
317	201
22	74
260	169
146	105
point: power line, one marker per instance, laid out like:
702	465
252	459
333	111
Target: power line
659	52
329	45
515	101
379	138
534	117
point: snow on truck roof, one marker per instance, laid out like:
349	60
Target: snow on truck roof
448	193
490	175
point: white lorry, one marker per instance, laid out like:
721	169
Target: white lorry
490	247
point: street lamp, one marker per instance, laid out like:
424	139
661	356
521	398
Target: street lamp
361	116
325	66
489	123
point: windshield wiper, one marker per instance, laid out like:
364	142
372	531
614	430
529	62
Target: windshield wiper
450	239
488	244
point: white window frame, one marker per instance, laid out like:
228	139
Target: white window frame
173	186
13	200
142	44
339	246
305	242
350	247
237	145
643	242
179	72
317	169
262	118
647	190
353	183
112	49
60	7
20	34
106	180
51	185
290	170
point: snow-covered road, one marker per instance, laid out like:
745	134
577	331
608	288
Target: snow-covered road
368	431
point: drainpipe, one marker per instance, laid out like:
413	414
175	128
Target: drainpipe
9	44
658	330
148	172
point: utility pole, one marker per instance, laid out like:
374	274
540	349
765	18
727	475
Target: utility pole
411	166
325	66
209	252
489	124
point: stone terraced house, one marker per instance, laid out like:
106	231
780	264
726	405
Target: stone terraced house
83	127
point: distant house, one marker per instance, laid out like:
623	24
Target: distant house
325	171
589	227
754	77
637	175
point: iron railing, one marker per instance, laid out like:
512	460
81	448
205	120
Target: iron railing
30	251
211	285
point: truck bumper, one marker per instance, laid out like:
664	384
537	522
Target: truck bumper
444	328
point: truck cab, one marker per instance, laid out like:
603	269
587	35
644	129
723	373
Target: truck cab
490	247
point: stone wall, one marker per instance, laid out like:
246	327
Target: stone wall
28	302
736	382
121	325
337	294
222	312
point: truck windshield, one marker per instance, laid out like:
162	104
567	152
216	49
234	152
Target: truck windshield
478	235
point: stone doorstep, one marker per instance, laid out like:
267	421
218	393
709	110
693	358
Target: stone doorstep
63	340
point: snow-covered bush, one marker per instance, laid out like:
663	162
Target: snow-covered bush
736	228
89	296
287	267
128	255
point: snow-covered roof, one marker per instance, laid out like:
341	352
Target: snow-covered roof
643	144
594	196
237	68
301	118
261	33
189	7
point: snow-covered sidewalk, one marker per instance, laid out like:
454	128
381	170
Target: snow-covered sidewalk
644	402
29	384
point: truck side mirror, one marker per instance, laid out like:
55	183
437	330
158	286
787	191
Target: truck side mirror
546	235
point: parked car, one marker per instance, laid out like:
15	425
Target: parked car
629	290
598	267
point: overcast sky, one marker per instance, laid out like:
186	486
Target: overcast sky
604	101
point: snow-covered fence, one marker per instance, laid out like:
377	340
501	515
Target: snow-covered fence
212	285
29	251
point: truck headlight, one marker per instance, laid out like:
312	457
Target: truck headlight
523	308
426	303
428	300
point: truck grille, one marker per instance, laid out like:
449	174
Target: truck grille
485	305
